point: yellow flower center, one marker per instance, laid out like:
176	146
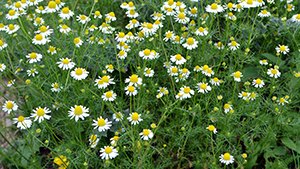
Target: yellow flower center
245	94
226	106
237	74
252	95
11	12
298	17
205	67
108	150
108	94
149	26
130	4
11	27
33	55
186	90
32	71
264	12
38	20
1	25
282	100
274	71
93	137
65	10
101	122
249	2
146	132
169	35
203	86
76	40
282	48
220	44
170	2
18	5
23	1
178	57
135	116
65	27
214	6
115	138
201	29
100	82
52	49
209	71
41	8
39	37
83	17
174	70
9	105
258	81
190	41
56	86
216	79
184	70
78	110
193	11
148	71
57	2
297	74
65	61
132	12
52	5
226	156
181	16
112	14
21	118
40	112
147	52
230	14
97	13
43	29
134	79
78	71
211	128
229	5
105	79
134	21
233	43
131	88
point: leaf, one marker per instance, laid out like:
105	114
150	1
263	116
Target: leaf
290	144
271	57
279	150
252	72
26	153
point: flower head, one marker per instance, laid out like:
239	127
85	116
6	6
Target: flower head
226	158
40	114
102	124
78	112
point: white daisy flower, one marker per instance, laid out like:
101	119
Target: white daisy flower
282	49
203	88
79	73
17	6
237	76
249	4
219	45
264	13
258	83
41	10
33	2
122	54
109	68
273	73
162	91
233	45
66	13
252	96
244	95
147	134
169	36
40	114
134	118
120	37
178	59
208	72
263	62
22	122
282	101
132	13
97	14
173	71
32	72
201	32
102	124
44	31
40	40
181	18
12	29
226	158
83	19
93	140
108	152
212	128
193	12
124	5
109	96
38	21
149	29
158	16
59	4
227	107
190	44
52	7
64	29
12	14
51	50
118	116
146	54
296	18
65	63
111	16
34	57
215	81
9	106
2	45
134	80
214	8
78	42
187	92
55	87
11	82
78	112
114	140
148	72
131	91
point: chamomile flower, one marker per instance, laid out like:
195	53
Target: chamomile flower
237	76
11	82
187	92
282	101
2	45
133	80
197	68
56	87
219	45
147	134
78	112
282	49
233	45
111	16
102	124
181	18
38	21
83	19
131	90
258	83
65	63
52	7
162	91
120	37
79	73
9	106
264	13
169	4
169	35
109	68
3	27
272	72
244	95
227	107
167	65
12	29
132	13
34	57
97	14
249	4
78	42
93	140
201	32
214	8
215	81
64	29
296	18
178	59
230	6
40	114
118	116
169	11
17	6
32	72
190	44
134	23
252	96
193	12
158	16
226	158
22	122
52	50
108	152
203	88
149	29
114	140
212	128
124	5
122	54
40	40
12	14
2	67
208	72
296	74
41	10
134	118
148	72
66	13
109	96
263	62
